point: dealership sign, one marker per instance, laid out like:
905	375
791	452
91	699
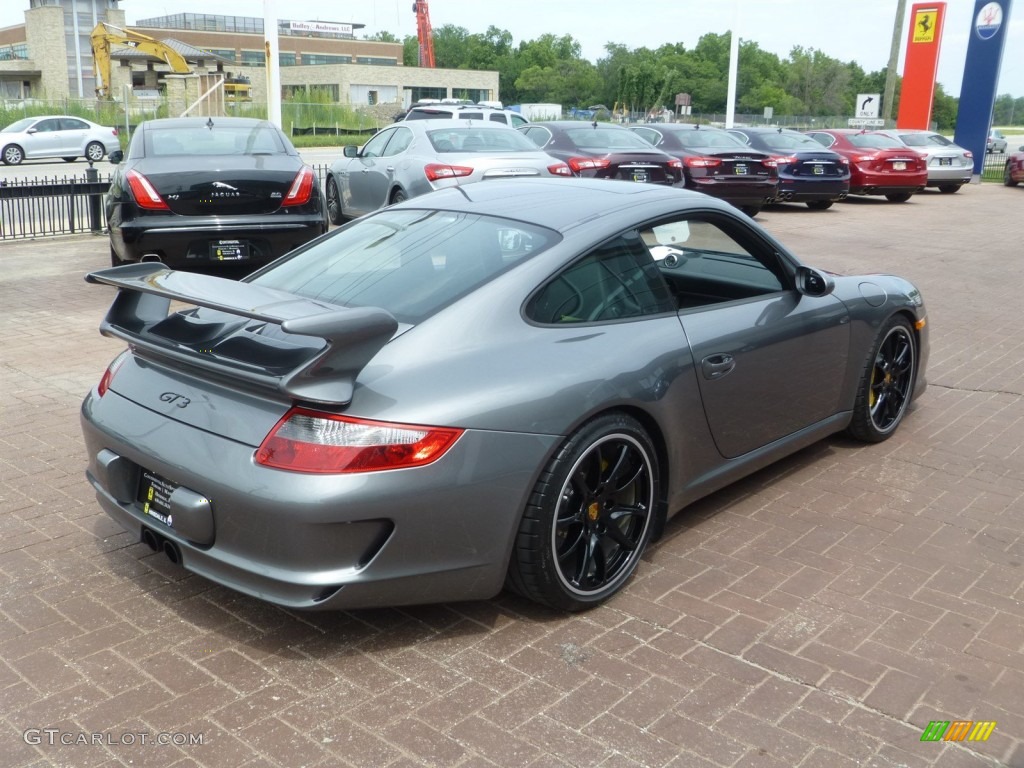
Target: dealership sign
325	27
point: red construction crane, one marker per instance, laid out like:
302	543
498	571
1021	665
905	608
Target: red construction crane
424	32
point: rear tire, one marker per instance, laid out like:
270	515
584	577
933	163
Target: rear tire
589	517
333	202
898	197
398	196
69	159
886	384
94	151
949	189
751	210
819	205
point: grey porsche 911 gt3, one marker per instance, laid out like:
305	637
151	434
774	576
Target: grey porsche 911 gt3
510	384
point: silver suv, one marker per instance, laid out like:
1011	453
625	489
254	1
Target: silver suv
465	112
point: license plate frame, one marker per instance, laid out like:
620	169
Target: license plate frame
229	250
899	165
154	496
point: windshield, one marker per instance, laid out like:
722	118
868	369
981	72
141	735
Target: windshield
412	263
479	140
223	139
19	126
606	138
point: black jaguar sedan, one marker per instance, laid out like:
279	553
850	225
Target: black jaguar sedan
201	191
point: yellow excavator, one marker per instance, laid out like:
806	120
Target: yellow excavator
104	35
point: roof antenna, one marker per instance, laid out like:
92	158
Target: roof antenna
209	123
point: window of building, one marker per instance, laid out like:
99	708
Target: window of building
323	58
253	59
377	61
286	58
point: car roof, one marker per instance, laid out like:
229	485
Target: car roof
454	122
561	204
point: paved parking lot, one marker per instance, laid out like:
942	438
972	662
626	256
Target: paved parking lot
820	613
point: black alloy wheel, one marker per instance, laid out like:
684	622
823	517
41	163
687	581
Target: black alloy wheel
887	383
333	201
589	517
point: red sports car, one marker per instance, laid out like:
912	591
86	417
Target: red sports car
1013	171
879	164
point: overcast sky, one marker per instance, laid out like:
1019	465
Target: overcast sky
848	30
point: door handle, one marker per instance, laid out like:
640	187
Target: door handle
716	366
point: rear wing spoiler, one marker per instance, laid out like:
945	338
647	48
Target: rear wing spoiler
140	315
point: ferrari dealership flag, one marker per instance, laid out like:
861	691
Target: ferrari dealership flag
920	66
981	76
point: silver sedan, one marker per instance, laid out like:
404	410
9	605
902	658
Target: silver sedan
949	165
413	158
63	136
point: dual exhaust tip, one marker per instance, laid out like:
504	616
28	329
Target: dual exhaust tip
159	543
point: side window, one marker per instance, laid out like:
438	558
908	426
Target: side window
401	141
48	126
742	137
518	120
537	135
651	137
70	124
706	261
375	146
498	117
825	139
617	280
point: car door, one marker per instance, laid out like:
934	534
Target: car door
43	139
73	136
769	360
366	178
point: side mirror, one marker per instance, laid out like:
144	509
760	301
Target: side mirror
350	150
116	156
811	282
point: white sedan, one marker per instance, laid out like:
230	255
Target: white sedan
56	136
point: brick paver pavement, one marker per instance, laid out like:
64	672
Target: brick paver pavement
819	613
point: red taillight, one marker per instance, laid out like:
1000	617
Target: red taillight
144	193
438	171
968	153
311	441
114	130
588	163
301	189
864	158
110	373
770	162
703	162
785	160
559	169
675	162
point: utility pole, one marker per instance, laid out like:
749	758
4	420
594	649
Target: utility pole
894	60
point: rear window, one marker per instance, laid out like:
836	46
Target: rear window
710	139
606	138
874	141
787	141
223	139
412	263
479	140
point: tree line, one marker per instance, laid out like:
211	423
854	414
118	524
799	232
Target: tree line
551	69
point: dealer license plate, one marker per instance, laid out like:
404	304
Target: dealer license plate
899	166
229	250
945	161
740	170
155	497
819	170
640	176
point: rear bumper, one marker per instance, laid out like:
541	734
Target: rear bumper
438	533
753	192
186	241
942	175
807	190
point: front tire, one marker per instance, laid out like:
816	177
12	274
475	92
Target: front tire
13	155
95	151
589	517
887	383
398	196
898	197
69	159
949	189
333	202
819	205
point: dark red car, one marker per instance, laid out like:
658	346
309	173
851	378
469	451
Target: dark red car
717	163
879	164
1013	171
604	151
